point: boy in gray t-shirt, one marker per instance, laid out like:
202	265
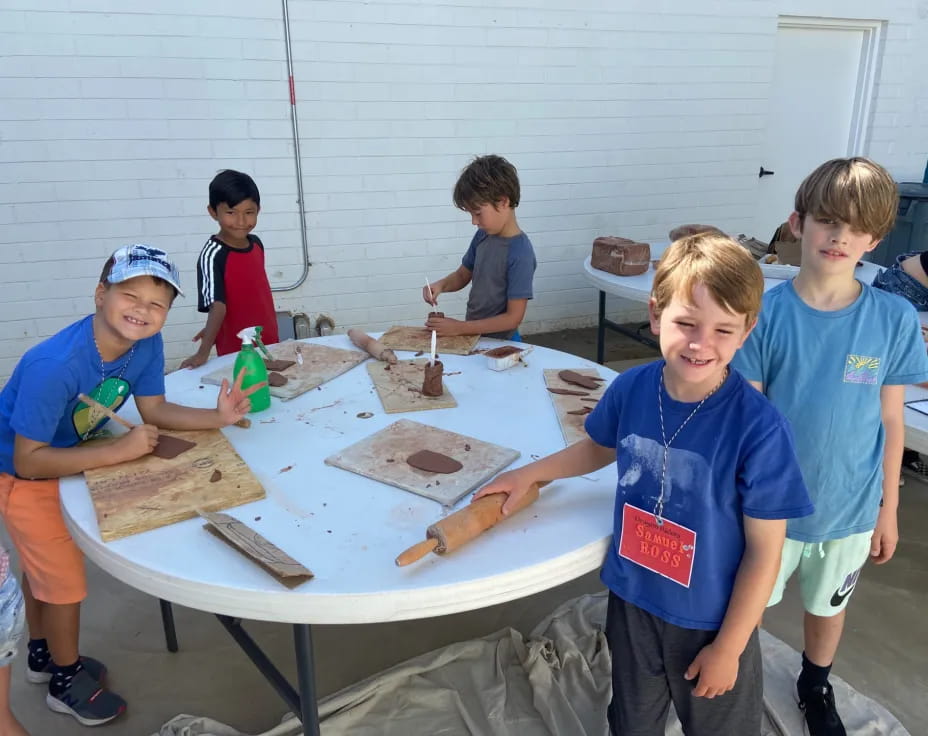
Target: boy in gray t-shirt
500	262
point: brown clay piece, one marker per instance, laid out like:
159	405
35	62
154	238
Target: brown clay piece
582	410
502	352
169	447
216	476
578	379
431	383
433	462
436	314
276	379
567	392
278	365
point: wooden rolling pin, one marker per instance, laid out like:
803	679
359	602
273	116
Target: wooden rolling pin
373	347
466	524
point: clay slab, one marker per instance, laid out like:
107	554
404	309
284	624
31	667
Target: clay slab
382	457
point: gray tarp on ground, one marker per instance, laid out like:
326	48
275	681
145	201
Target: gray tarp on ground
553	682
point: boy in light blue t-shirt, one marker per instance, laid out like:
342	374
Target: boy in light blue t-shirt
834	355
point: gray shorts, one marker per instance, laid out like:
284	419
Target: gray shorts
12	619
649	658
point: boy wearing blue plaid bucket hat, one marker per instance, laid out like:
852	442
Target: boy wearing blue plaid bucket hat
110	355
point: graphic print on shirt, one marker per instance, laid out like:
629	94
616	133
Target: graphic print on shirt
861	369
686	487
111	393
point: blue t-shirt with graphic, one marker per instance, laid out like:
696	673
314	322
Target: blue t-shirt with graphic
40	402
734	458
824	371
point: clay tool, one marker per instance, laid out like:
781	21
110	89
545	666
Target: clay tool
262	348
434	340
299	354
456	530
429	287
372	347
168	447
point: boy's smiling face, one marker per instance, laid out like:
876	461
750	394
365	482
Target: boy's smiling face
698	339
133	309
235	223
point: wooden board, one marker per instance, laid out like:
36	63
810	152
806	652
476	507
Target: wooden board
151	492
420	339
400	387
382	457
572	424
320	364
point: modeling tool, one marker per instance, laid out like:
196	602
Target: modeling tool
434	340
456	530
262	348
299	354
168	447
431	296
372	347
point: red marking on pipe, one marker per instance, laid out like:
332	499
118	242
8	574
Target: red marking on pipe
292	91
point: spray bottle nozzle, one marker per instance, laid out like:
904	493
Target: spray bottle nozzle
248	335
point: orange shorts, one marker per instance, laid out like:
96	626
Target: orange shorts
51	562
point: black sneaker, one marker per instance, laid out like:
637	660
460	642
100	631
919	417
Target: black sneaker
822	718
89	703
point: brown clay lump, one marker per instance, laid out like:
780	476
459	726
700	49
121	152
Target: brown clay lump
216	476
278	365
169	447
582	410
276	379
567	392
502	352
436	314
431	380
433	462
578	379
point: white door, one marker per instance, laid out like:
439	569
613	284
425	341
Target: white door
819	97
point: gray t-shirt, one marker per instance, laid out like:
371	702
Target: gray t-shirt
502	269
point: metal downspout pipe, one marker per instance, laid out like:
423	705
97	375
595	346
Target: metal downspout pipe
295	125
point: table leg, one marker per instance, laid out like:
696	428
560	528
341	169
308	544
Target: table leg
304	703
601	329
303	643
167	620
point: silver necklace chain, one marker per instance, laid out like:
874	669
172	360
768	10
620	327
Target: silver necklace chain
102	362
659	506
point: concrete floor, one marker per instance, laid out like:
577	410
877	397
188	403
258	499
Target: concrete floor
883	654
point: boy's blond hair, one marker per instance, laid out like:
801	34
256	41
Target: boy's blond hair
857	191
725	267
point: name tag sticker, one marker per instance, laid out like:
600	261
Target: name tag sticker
667	549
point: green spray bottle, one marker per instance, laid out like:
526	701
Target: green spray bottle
255	370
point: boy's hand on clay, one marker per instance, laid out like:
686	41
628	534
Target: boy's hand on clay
436	290
885	537
716	670
445	326
233	402
138	441
513	483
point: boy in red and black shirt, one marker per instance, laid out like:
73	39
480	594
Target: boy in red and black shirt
232	284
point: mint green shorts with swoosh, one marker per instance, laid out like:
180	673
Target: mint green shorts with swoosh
828	572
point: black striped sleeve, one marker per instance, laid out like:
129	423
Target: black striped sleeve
211	266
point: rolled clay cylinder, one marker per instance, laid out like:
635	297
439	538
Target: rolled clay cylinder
436	314
462	526
431	384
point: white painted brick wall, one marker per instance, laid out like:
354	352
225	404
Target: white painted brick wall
621	117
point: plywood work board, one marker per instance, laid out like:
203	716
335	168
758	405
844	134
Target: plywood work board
572	424
320	364
382	457
420	339
400	387
152	492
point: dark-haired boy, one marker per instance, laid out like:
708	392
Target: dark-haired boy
110	355
232	285
500	262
